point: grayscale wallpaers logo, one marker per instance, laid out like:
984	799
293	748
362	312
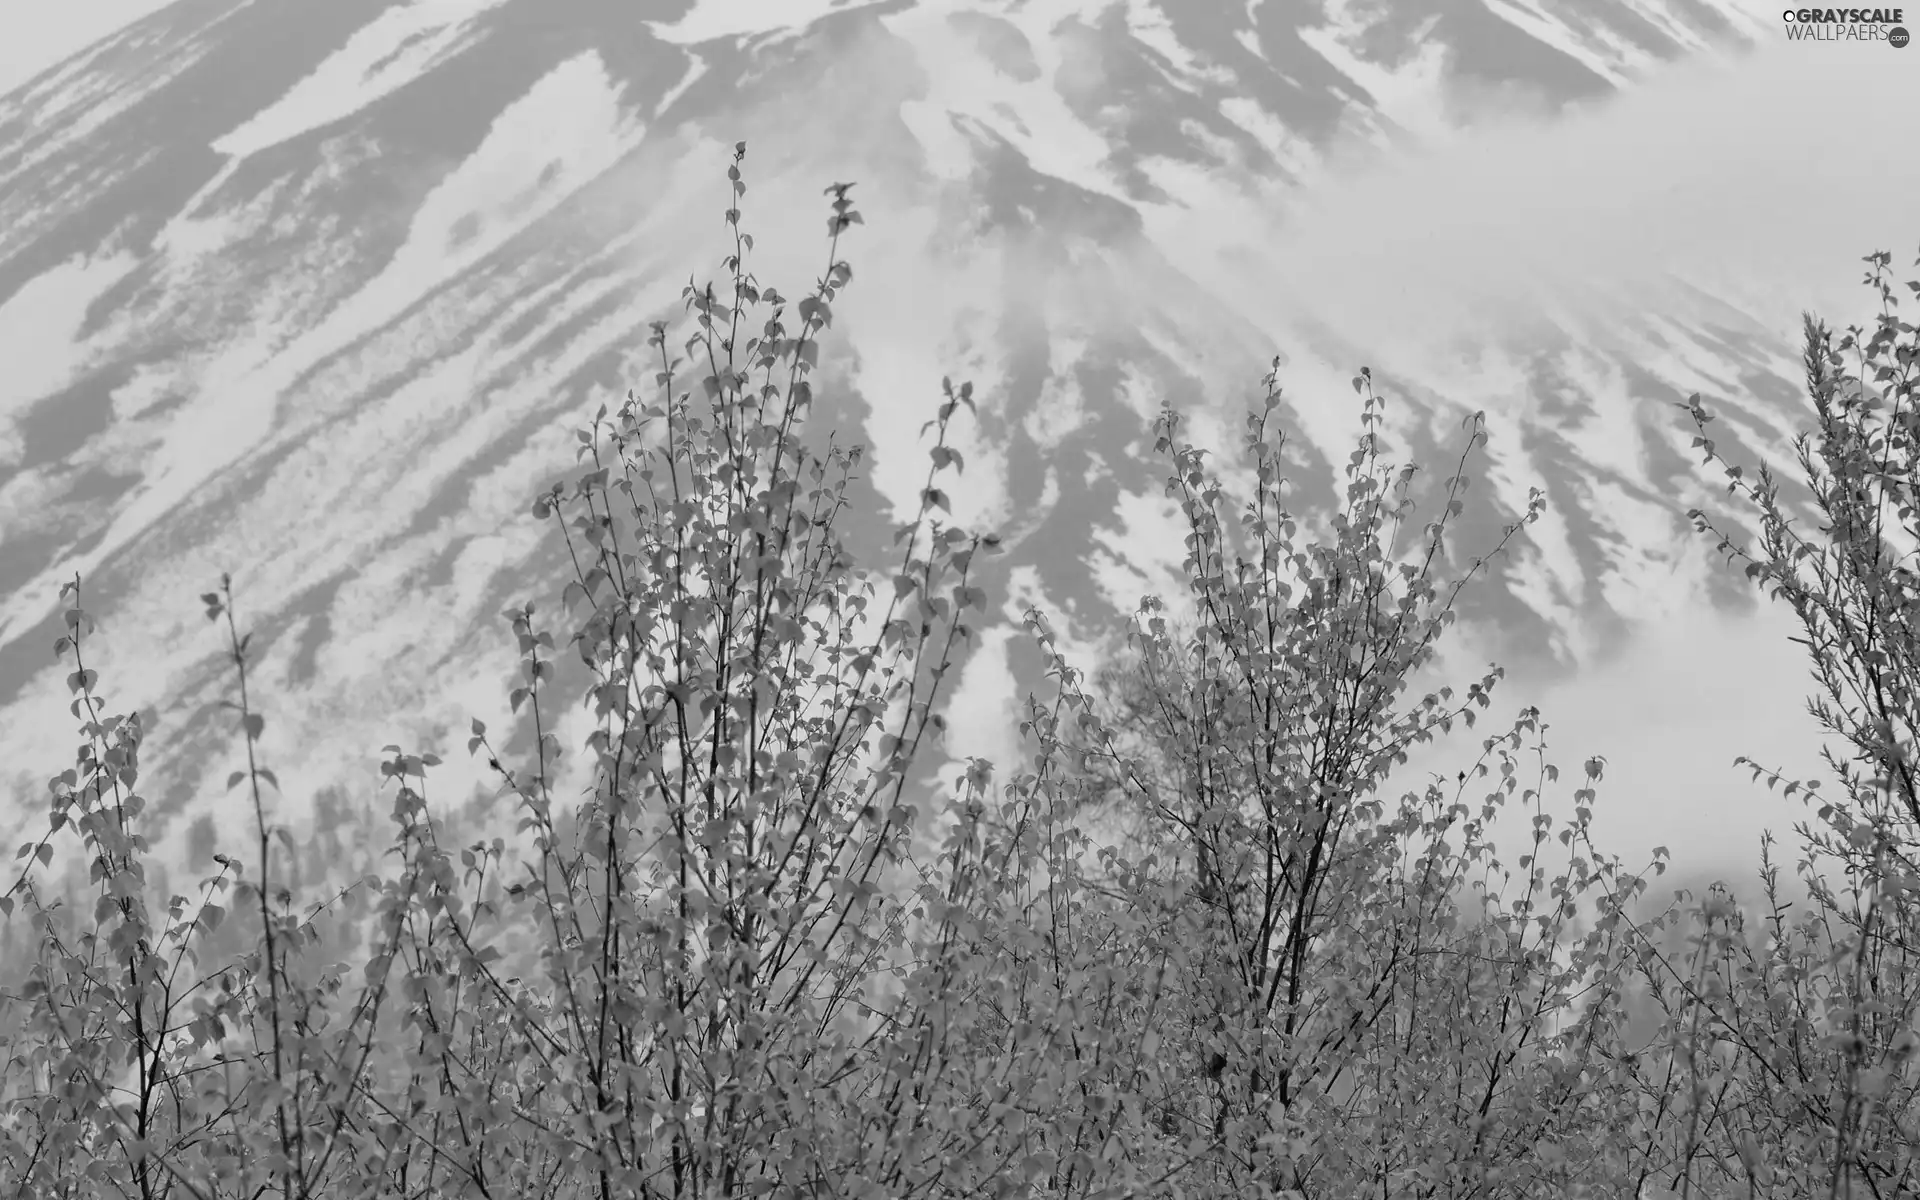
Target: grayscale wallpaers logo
1847	25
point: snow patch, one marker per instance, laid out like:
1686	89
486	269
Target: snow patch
40	338
980	721
521	171
1410	95
567	129
392	50
68	35
1144	556
963	82
1620	60
710	20
1147	21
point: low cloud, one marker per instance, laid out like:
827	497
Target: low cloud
1765	176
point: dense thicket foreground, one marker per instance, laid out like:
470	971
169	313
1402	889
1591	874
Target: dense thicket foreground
747	966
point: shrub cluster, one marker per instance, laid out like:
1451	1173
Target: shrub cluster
747	965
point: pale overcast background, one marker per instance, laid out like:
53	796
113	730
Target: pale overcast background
1772	174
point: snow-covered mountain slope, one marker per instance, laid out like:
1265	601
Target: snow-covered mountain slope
316	293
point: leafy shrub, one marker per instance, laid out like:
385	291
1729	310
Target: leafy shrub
748	964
